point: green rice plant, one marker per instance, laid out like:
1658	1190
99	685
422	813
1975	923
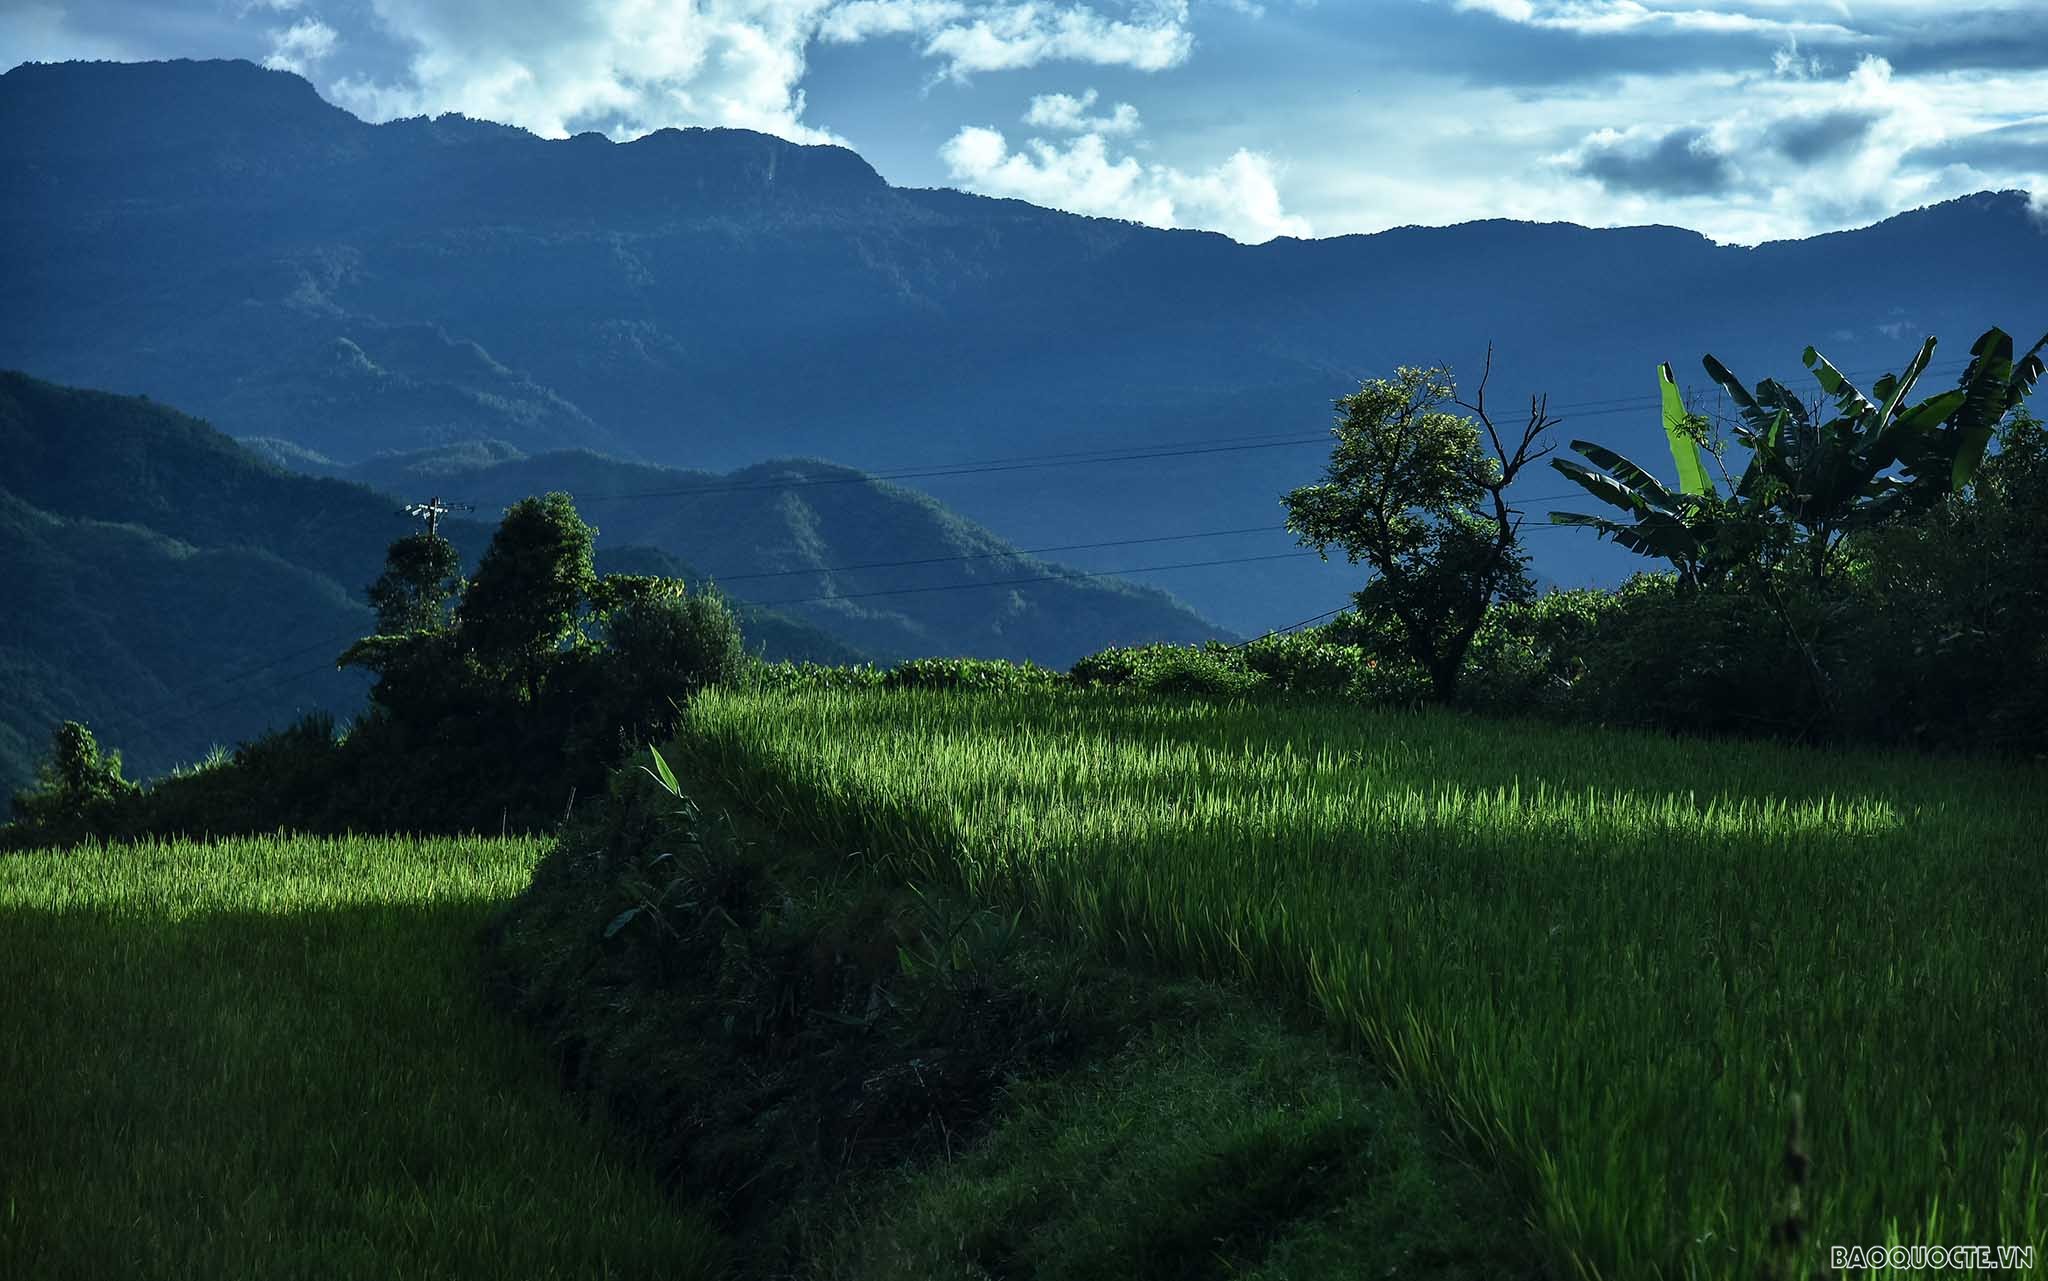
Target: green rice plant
271	1057
1607	960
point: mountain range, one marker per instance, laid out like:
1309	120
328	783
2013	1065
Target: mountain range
218	236
176	590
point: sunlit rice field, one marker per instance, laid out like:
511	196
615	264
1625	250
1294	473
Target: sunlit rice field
272	1058
1607	960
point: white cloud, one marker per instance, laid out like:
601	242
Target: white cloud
1239	197
299	46
858	20
1784	158
1786	63
1614	17
1512	10
1008	37
1065	112
626	67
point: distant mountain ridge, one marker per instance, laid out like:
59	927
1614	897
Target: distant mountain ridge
176	590
878	566
218	236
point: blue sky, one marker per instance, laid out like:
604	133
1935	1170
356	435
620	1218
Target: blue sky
1748	120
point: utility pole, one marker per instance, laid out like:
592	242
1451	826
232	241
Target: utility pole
432	511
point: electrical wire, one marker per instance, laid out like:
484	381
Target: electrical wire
1593	408
1042	578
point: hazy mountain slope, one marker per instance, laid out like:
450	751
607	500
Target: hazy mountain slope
791	532
218	236
91	455
137	634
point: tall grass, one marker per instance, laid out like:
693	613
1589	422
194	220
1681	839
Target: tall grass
1607	959
271	1058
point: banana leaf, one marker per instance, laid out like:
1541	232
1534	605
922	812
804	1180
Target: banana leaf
1685	451
1657	534
1647	487
1993	385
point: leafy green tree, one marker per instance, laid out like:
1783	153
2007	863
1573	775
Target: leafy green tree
1418	494
422	573
662	645
529	590
76	792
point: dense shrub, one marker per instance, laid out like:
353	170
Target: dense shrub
1710	660
1212	669
969	673
1308	665
291	778
1951	627
1530	656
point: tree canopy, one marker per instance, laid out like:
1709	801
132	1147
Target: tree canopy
1418	494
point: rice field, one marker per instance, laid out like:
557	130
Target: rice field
272	1058
1607	961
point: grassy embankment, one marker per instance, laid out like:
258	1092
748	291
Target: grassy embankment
270	1058
1606	959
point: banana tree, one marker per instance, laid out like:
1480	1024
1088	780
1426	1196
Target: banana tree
1876	457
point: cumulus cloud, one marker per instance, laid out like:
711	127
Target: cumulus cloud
1065	112
628	67
1239	197
1684	17
1764	157
297	47
625	67
1007	37
860	19
1148	35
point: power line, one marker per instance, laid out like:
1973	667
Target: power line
1081	458
145	720
1020	551
434	508
866	478
144	717
1328	613
238	696
1043	578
